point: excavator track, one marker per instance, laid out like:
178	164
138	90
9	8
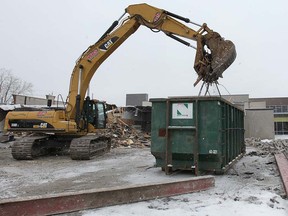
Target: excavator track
84	148
27	148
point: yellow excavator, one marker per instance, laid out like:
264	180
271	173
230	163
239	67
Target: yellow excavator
76	125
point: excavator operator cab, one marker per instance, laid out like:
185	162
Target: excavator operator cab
101	115
94	113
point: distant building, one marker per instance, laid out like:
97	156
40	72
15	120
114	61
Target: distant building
258	119
138	111
136	99
264	117
240	100
28	100
279	105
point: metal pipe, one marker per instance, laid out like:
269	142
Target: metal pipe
80	78
111	28
187	20
121	16
168	153
88	91
196	141
216	83
195	24
180	40
78	97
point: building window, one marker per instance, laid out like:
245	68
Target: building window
285	127
281	128
279	108
280	119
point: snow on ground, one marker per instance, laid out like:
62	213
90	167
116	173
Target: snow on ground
56	174
251	186
200	204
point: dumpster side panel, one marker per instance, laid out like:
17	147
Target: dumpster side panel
158	131
204	134
209	135
209	117
182	133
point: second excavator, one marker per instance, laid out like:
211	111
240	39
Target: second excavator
76	125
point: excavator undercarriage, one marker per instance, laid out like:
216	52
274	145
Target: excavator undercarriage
81	148
43	138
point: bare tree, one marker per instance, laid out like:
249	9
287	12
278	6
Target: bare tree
9	85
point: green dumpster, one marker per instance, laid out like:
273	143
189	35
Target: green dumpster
196	133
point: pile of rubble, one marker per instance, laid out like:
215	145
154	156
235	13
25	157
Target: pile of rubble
267	147
123	133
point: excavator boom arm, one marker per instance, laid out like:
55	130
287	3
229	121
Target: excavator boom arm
157	20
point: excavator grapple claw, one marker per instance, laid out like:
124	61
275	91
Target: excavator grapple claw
211	65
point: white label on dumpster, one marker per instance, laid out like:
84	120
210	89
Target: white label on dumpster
182	110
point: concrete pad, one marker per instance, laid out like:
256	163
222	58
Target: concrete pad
69	202
57	184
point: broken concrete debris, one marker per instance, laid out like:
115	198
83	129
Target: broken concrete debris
267	147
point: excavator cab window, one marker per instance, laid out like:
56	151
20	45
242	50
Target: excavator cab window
94	113
101	115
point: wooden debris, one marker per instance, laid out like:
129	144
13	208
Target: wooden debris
125	135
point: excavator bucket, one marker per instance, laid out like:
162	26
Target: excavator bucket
211	65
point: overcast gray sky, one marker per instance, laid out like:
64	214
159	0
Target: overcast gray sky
41	40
